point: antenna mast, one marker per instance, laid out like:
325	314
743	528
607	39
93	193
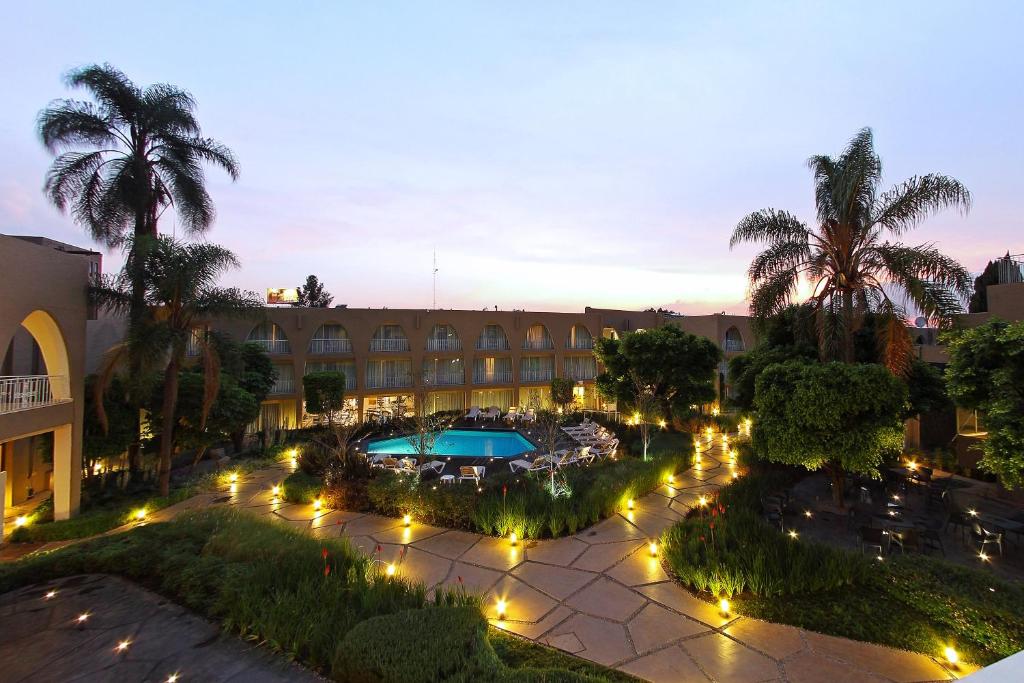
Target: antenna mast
435	280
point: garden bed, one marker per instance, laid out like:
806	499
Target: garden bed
303	597
910	602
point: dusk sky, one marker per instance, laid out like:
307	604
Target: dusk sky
556	155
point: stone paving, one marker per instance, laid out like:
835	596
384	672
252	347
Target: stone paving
599	594
127	634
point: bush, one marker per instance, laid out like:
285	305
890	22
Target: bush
299	487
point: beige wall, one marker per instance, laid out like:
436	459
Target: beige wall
44	292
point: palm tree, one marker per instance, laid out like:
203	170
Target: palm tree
121	161
849	257
179	282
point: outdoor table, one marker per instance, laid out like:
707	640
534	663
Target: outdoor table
447	478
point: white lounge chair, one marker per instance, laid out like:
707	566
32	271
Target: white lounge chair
564	458
435	466
607	449
407	466
529	416
493	413
541	463
513	414
390	463
585	454
474	413
473	473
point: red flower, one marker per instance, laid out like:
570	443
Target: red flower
324	553
327	570
460	579
504	489
714	512
702	538
712	525
378	548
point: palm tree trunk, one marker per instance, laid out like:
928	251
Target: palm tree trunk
848	354
167	435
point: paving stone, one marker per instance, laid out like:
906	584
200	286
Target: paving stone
775	640
649	524
494	553
598	558
808	667
333	518
638	568
668	665
300	512
603	642
655	626
423	567
607	599
897	665
407	534
567	641
725	660
450	544
611	530
558	582
560	551
523	602
474	579
677	598
534	630
369	525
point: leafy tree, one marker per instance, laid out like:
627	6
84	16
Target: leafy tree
99	444
926	389
325	394
840	416
647	411
313	295
746	368
678	368
561	393
181	291
851	265
122	160
986	373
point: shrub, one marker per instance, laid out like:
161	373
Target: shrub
300	487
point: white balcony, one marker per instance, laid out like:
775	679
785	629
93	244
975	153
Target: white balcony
496	377
273	346
285	385
25	392
581	344
389	345
444	379
536	374
538	344
444	345
492	344
322	346
389	382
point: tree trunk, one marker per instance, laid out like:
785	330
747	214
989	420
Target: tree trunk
167	435
838	481
848	354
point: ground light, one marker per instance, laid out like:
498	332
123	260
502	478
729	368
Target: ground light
629	504
723	607
390	569
500	608
952	656
653	547
792	533
173	678
50	595
275	490
317	504
82	618
407	520
140	514
123	645
512	538
21	521
983	557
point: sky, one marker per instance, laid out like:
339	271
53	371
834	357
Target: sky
553	155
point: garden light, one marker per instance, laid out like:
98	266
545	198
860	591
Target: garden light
983	557
512	538
702	501
735	475
140	514
233	488
629	503
912	466
390	571
715	411
653	547
407	520
51	595
275	490
972	513
952	656
123	645
709	432
500	608
82	618
20	521
723	607
233	477
173	678
792	533
317	504
661	424
807	514
670	479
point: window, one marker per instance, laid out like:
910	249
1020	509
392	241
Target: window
537	338
389	338
271	337
443	338
733	340
580	367
490	370
492	338
580	338
443	371
346	367
330	338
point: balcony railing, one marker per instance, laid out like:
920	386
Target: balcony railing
535	375
389	382
1010	269
488	344
283	386
389	345
273	345
444	345
538	344
318	346
32	391
581	374
445	379
734	345
497	377
581	345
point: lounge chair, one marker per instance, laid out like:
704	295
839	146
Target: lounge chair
435	466
407	466
513	414
605	449
585	454
473	473
541	463
565	458
493	413
474	413
529	416
390	463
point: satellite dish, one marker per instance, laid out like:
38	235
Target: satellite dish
920	321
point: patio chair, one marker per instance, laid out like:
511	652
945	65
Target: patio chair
955	517
493	413
931	533
435	466
407	466
984	537
905	539
606	450
472	473
585	454
390	463
474	413
541	463
565	457
870	537
529	416
513	414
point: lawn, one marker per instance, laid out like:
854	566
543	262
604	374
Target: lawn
912	602
317	601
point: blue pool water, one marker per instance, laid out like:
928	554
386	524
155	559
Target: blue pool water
461	443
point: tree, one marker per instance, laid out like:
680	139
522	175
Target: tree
848	260
843	417
926	389
180	291
313	295
325	395
562	393
986	373
678	367
423	426
124	158
99	443
646	409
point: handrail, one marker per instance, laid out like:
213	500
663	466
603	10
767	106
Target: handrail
24	392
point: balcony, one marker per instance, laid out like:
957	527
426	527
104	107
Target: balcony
538	345
389	382
489	344
581	344
444	345
733	345
389	345
324	346
496	377
444	379
283	385
536	374
25	392
272	346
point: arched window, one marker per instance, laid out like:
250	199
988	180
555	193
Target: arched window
537	338
610	333
389	338
330	338
492	338
579	338
271	337
443	338
733	340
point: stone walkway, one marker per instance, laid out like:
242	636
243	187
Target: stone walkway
599	594
128	634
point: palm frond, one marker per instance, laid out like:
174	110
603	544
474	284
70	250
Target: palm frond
68	123
771	226
772	294
906	205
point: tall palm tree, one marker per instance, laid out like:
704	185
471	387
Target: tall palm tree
180	287
851	258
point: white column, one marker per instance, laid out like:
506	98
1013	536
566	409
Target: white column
3	496
65	477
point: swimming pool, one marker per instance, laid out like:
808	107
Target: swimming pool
462	443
